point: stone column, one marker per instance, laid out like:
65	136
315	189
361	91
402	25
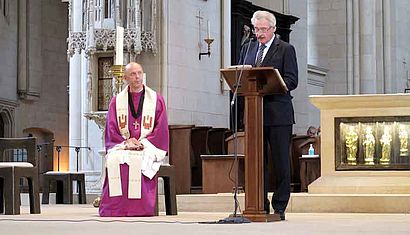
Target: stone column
349	47
75	88
356	48
367	41
387	46
363	38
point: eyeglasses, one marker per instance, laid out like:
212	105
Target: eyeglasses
261	30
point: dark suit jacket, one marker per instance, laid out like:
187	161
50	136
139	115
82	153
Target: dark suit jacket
278	108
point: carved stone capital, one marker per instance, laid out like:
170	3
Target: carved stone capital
76	42
149	41
132	40
104	38
98	117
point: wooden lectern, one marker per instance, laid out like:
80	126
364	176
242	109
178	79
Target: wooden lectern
255	83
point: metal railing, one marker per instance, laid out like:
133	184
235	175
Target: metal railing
76	149
58	148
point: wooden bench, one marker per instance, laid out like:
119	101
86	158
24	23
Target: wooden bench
180	156
219	173
64	182
167	173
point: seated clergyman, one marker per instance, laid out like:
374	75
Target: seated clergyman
136	140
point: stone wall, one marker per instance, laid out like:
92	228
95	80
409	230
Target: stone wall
8	48
34	69
193	86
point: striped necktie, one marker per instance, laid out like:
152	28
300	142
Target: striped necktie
260	55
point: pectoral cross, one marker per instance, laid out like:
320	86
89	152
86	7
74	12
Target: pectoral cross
136	124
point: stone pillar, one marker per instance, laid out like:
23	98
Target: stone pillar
356	47
368	46
84	153
349	47
387	47
75	88
367	40
369	65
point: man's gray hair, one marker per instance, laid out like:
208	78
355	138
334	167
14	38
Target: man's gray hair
258	15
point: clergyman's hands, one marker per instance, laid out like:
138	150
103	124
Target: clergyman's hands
133	144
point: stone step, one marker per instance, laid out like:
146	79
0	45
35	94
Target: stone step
299	202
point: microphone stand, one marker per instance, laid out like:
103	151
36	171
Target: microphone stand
235	218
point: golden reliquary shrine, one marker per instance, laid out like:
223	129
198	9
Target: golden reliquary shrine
372	143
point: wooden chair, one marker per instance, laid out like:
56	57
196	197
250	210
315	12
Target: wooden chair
11	172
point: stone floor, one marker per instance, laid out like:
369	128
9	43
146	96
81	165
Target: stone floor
84	219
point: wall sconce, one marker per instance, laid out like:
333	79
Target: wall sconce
208	41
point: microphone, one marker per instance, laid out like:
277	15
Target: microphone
251	39
235	218
235	94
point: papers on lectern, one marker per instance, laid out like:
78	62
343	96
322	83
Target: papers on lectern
244	66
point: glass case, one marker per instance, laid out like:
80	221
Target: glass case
372	143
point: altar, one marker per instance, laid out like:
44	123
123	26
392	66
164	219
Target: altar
364	150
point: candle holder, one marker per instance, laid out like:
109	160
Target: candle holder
118	72
209	42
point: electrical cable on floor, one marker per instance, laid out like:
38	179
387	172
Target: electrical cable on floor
99	220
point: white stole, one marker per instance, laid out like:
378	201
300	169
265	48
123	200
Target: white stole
146	161
115	158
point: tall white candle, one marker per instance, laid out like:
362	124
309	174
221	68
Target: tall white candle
119	46
144	79
209	28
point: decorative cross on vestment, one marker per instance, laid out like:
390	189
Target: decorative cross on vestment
122	120
136	124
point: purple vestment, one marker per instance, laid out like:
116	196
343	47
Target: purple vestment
122	205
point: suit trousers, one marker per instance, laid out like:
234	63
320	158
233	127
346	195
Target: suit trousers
277	138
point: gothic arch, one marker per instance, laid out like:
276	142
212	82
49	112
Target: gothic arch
7	121
1	127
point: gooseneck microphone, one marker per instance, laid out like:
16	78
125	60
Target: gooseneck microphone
234	104
241	67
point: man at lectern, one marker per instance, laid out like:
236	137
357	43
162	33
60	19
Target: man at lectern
278	114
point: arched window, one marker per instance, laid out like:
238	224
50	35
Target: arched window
6	120
103	13
104	82
107	9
